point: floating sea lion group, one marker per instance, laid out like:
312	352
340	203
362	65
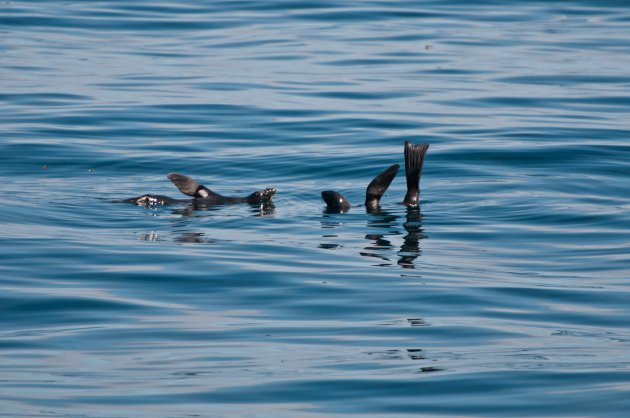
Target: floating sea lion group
414	159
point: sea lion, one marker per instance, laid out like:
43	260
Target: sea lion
335	201
190	187
414	159
201	195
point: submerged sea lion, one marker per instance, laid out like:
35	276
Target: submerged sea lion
375	190
201	195
414	159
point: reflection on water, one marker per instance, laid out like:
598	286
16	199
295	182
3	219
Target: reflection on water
330	246
185	237
410	250
417	322
196	209
263	209
380	245
150	236
257	209
386	226
194	238
332	211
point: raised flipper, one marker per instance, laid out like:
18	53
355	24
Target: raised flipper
414	158
189	186
335	201
378	186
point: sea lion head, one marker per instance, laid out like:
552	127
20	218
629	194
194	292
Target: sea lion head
335	201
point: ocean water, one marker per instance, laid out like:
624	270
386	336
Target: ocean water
505	294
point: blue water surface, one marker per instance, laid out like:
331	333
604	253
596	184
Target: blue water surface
505	294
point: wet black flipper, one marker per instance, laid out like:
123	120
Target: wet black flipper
414	159
189	186
261	196
378	186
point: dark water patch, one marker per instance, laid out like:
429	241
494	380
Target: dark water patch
283	57
29	68
238	86
450	71
114	23
366	15
386	37
598	103
381	61
432	399
164	54
249	43
565	80
356	95
43	99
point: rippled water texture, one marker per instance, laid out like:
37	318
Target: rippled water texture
505	294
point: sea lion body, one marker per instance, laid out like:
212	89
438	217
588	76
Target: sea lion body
201	195
151	200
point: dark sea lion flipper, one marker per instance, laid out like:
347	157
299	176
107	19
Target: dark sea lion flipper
335	201
261	196
414	158
377	187
189	186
